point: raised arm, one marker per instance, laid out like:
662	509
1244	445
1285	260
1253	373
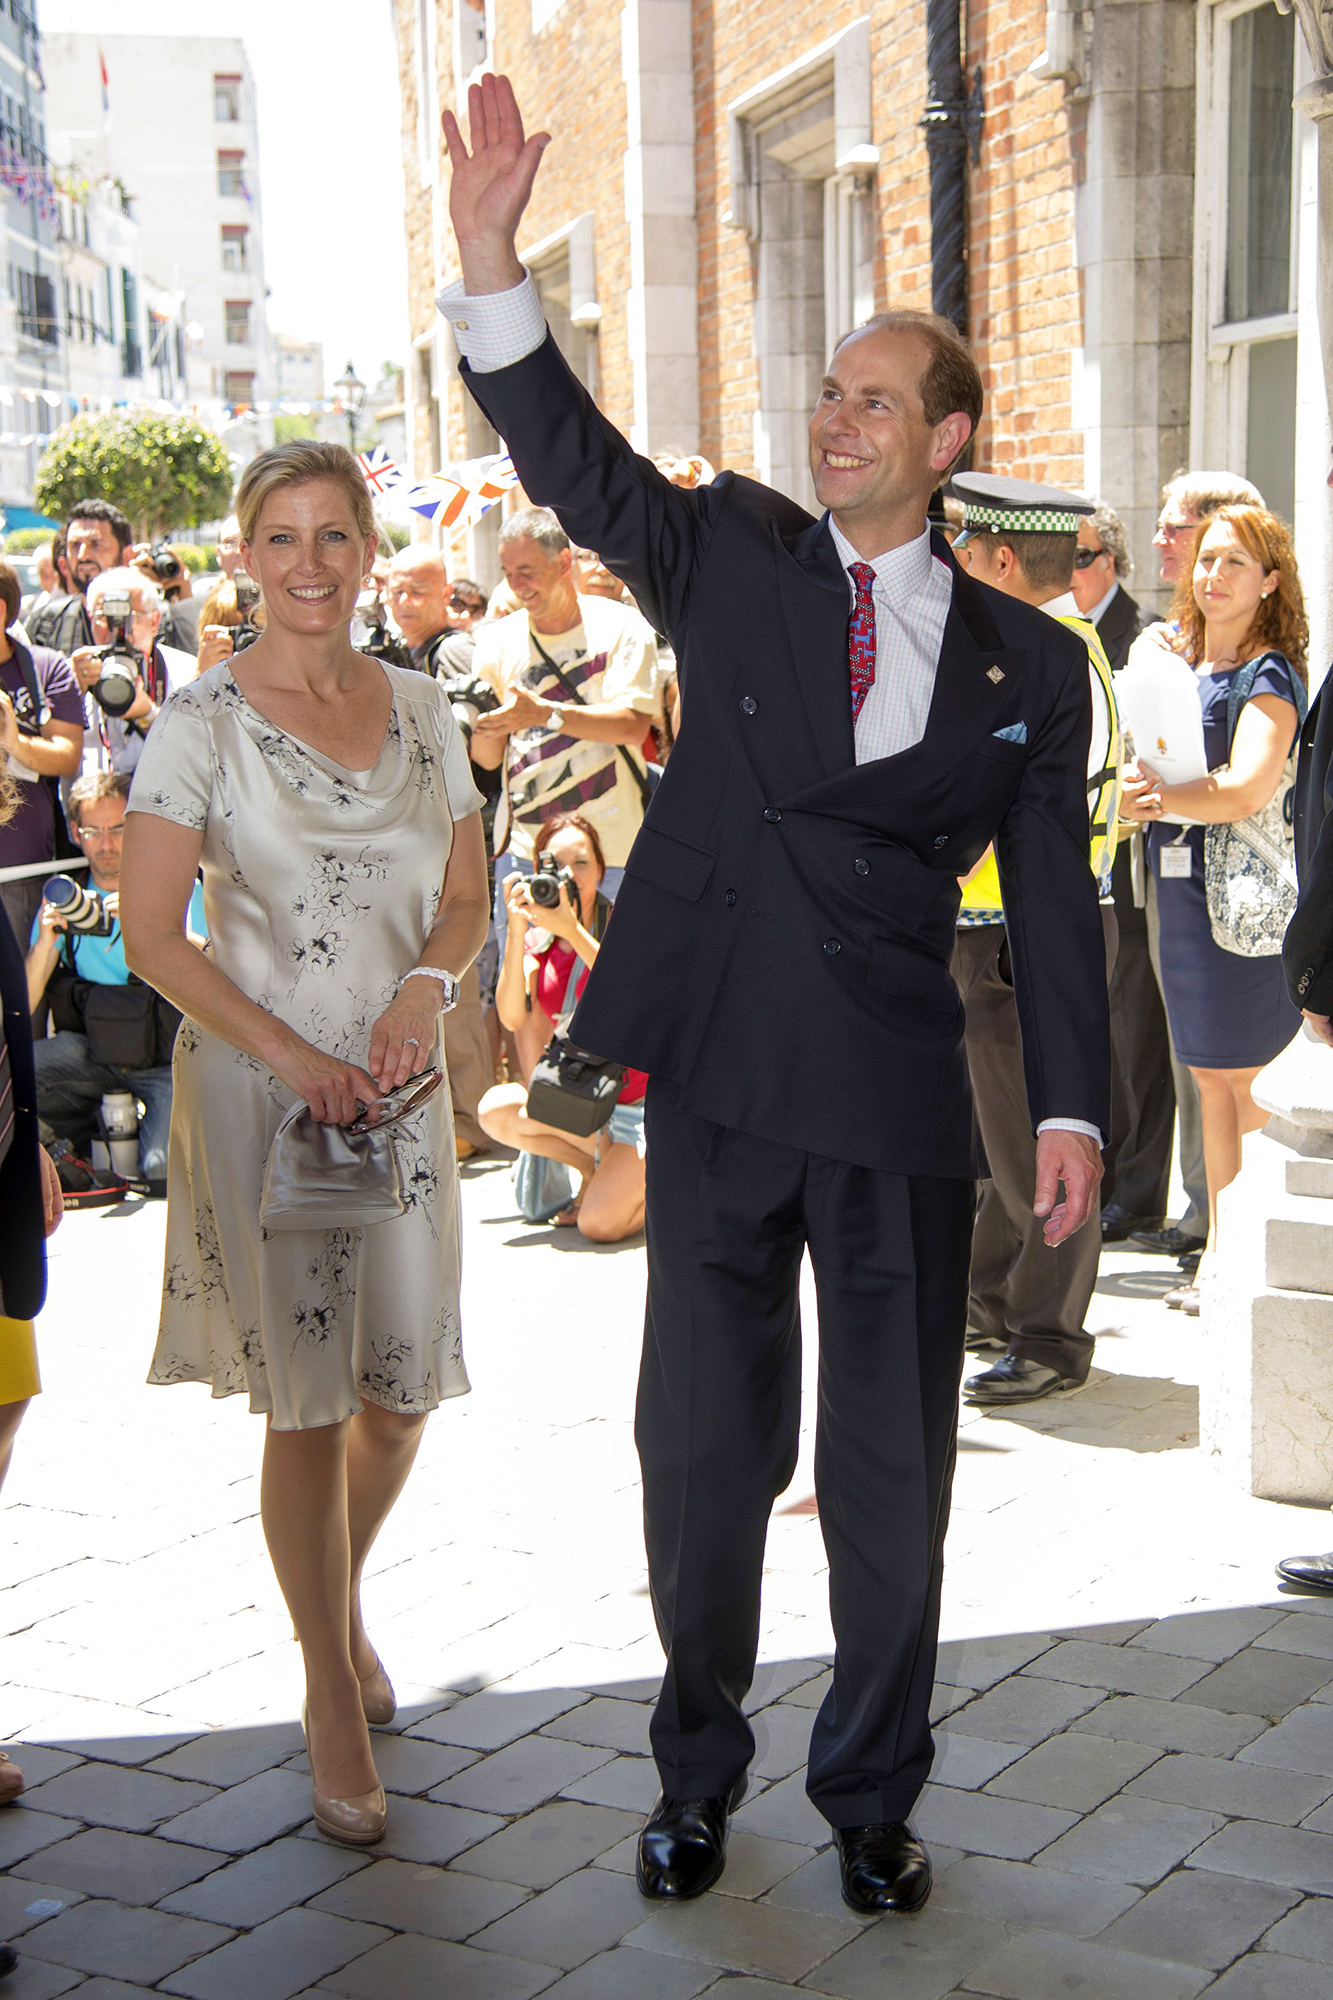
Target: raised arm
568	457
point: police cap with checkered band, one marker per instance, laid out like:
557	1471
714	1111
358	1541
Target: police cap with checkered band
1017	506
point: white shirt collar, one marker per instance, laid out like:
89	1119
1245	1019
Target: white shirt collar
1063	606
906	569
1098	609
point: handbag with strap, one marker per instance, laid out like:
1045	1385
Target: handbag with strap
320	1176
1249	865
570	1089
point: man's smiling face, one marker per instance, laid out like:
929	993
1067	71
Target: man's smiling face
871	449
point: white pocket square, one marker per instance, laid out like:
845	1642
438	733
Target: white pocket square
1014	732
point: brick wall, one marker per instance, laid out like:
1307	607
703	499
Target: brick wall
1026	293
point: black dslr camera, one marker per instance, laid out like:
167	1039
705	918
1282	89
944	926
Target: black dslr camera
549	879
167	565
117	685
247	598
378	642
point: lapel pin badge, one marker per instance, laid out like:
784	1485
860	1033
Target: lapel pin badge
995	674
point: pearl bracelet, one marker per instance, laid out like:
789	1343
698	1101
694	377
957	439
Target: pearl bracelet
446	979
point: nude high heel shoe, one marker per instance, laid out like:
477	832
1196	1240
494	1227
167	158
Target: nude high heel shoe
379	1703
357	1822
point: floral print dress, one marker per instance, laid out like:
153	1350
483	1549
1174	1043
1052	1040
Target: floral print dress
320	888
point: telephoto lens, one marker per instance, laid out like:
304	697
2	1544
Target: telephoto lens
114	687
81	910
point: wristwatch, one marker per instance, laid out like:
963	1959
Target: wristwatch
446	979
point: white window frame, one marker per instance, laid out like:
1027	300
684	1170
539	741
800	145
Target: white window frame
1219	398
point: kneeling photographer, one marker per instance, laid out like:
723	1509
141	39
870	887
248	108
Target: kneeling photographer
111	1032
126	672
556	918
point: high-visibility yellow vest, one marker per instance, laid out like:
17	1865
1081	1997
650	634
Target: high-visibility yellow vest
981	898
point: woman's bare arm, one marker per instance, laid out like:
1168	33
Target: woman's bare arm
159	863
1259	751
407	1025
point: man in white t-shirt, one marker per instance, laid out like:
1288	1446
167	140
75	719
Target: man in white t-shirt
577	681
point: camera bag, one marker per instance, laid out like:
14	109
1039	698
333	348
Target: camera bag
570	1089
127	1027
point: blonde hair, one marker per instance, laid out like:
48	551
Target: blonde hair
299	463
220	607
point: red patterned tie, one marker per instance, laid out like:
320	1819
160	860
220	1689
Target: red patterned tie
861	636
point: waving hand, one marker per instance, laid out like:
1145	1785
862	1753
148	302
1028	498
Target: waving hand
490	186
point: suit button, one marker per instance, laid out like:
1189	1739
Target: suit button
731	899
861	865
772	815
832	947
749	706
941	840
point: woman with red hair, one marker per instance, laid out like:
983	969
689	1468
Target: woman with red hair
1238	607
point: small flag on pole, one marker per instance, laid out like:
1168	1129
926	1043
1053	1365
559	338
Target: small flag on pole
106	83
378	469
458	497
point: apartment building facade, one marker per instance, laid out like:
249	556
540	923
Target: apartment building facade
731	189
171	119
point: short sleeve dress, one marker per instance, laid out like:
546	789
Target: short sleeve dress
1225	1011
320	888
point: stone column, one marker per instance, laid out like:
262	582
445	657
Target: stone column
1266	1402
662	304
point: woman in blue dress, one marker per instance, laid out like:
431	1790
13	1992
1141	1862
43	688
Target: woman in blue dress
1239	600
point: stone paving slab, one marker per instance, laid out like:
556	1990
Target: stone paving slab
116	1938
434	1902
128	1867
261	1885
1164	1833
278	1958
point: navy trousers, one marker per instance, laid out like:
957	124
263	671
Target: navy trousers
728	1219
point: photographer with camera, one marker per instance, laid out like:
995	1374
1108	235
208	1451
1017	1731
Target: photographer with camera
125	671
41	742
162	566
111	1032
434	615
97	538
230	619
556	919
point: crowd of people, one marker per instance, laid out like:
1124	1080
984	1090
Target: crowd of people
411	851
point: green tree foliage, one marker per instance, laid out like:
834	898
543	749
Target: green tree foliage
285	428
162	471
21	541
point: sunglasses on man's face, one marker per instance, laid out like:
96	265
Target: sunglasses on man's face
1085	558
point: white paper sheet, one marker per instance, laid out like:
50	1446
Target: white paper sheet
1158	697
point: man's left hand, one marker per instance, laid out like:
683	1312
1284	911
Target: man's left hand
1075	1159
1322	1026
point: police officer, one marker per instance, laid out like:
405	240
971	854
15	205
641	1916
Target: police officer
1019	536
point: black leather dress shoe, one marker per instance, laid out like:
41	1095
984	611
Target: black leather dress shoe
1117	1227
1014	1380
1168	1242
1310	1572
883	1868
683	1846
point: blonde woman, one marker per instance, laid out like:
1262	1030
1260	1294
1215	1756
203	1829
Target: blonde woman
1238	600
328	800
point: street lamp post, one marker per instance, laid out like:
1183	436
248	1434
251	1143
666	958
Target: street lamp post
353	394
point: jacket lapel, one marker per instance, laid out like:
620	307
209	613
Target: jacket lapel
976	682
816	604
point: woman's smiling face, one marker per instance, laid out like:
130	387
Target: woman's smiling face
308	557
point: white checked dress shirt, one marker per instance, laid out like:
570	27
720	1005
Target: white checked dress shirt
912	590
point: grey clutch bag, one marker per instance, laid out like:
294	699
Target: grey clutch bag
326	1177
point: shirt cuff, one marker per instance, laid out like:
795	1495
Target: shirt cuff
1071	1125
494	329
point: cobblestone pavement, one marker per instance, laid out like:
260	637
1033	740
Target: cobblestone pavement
1134	1790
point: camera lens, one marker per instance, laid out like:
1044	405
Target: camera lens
115	690
545	891
81	911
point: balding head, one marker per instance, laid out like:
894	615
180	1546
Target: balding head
419	593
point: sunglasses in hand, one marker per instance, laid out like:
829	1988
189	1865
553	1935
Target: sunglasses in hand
397	1104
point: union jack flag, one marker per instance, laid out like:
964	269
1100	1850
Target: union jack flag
378	469
458	497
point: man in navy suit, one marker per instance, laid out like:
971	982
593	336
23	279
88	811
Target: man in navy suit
859	721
